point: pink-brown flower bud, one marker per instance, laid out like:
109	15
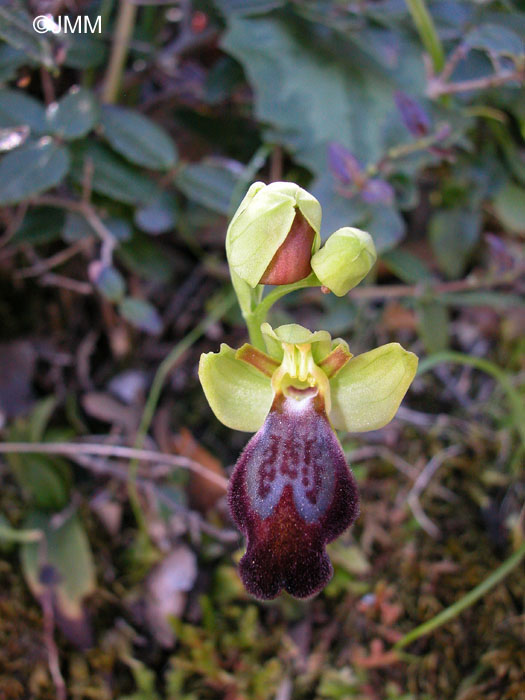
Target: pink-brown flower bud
291	262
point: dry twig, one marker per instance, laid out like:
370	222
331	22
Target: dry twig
71	449
421	484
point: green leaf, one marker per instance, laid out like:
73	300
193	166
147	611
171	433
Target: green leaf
338	211
497	300
323	89
16	28
32	169
239	395
385	225
141	314
10	61
434	323
509	204
247	7
112	176
74	115
147	258
367	391
85	51
145	682
39	418
120	228
210	183
42	479
46	480
495	40
454	233
65	566
407	267
17	109
40	225
76	227
158	216
11	534
110	283
138	138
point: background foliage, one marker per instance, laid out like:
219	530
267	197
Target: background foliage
123	154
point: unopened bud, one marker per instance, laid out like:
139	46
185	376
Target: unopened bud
344	260
273	234
291	262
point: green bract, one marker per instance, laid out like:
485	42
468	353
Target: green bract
261	224
360	393
344	260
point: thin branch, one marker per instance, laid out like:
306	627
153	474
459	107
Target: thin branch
436	86
396	291
101	467
70	449
53	261
150	406
46	602
52	280
421	484
14	224
85	209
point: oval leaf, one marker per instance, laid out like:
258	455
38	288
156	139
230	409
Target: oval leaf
109	282
18	109
112	176
141	314
67	569
138	139
32	169
74	115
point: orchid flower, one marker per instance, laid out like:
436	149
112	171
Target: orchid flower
291	491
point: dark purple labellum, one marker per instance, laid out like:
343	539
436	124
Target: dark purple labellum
414	116
291	493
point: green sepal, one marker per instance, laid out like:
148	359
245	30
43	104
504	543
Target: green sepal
262	222
367	391
238	394
344	260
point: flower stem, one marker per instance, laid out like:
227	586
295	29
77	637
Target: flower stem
427	32
515	401
465	602
257	317
165	367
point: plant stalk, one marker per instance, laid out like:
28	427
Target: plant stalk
427	32
123	32
463	603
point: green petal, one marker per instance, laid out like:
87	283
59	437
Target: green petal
344	260
238	394
367	391
294	334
